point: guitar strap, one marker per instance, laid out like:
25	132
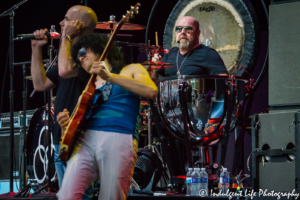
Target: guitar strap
104	95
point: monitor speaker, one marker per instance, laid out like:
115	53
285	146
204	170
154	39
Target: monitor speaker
275	141
284	60
5	155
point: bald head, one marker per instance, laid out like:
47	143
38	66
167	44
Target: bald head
189	20
86	15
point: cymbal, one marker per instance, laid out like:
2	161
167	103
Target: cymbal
118	35
129	44
157	64
28	77
110	25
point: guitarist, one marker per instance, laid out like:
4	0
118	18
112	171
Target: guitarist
107	147
78	21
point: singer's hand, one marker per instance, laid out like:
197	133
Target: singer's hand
156	58
41	38
72	28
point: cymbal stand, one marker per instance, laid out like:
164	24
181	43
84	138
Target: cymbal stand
10	12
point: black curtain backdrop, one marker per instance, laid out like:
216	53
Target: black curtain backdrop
38	14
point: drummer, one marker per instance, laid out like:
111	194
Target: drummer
190	57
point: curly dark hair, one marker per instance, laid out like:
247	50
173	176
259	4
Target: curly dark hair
97	44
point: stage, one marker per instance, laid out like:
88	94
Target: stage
146	197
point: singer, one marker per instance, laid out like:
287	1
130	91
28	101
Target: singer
78	22
190	57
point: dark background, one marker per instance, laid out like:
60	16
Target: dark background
37	14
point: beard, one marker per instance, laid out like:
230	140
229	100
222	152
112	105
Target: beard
184	45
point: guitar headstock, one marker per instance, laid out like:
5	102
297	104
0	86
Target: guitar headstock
130	14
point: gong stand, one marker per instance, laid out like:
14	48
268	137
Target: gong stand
230	104
238	161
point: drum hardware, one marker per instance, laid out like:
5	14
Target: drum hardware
150	66
111	25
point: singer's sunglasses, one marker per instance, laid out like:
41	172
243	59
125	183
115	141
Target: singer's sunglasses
187	29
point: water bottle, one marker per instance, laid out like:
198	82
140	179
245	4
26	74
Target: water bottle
188	181
197	170
224	181
194	184
203	187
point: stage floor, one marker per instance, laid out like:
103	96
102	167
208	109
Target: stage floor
131	197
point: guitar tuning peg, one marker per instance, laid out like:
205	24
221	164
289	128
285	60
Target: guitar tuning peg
128	12
132	15
131	7
136	11
123	16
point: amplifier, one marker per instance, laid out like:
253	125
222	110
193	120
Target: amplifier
18	119
276	162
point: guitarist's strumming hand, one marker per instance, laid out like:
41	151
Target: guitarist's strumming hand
63	119
101	69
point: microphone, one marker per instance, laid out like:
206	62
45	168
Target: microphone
51	35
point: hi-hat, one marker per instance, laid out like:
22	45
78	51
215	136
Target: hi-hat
110	25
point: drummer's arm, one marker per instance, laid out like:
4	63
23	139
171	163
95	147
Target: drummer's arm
136	79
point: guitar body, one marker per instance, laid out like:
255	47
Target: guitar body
73	130
70	136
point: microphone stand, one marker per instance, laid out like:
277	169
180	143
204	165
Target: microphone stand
51	48
10	12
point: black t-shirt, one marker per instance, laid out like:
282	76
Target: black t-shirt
201	60
68	92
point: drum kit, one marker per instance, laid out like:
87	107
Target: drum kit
194	109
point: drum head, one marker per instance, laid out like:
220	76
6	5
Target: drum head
205	103
37	149
228	26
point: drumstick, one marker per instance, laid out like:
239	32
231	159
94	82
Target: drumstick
156	38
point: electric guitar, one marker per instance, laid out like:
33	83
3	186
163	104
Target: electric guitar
73	130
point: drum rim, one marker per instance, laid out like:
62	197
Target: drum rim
224	77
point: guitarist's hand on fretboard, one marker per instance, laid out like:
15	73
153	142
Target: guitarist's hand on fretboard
102	69
63	119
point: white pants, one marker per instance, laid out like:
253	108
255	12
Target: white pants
106	155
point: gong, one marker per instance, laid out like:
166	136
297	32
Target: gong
228	26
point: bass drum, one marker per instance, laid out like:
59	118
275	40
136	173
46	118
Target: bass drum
37	150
